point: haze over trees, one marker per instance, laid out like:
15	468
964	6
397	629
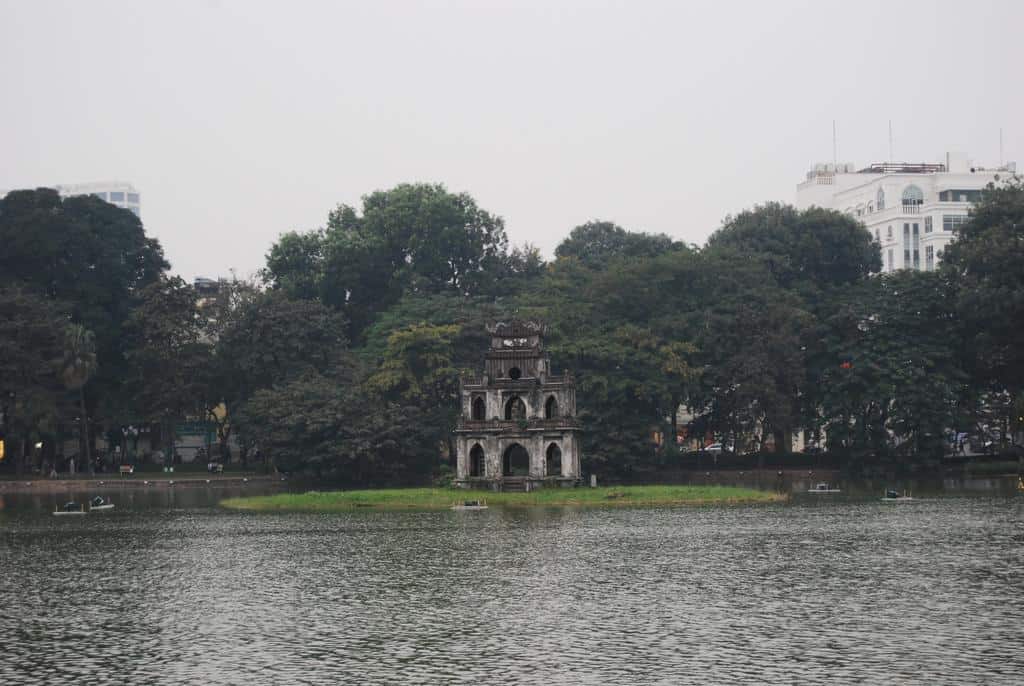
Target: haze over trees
345	362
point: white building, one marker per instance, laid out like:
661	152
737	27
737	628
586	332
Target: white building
118	193
911	210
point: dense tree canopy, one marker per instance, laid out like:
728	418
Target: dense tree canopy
598	242
347	367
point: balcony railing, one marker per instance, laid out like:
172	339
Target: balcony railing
911	209
464	424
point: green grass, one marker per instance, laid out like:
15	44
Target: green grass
441	498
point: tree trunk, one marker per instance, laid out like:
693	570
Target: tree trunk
84	429
675	425
19	463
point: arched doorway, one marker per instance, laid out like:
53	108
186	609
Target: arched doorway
553	461
479	409
516	461
515	408
477	461
551	408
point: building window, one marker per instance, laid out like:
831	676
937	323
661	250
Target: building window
890	268
952	222
116	196
101	196
133	197
880	200
477	461
959	195
917	246
889	233
871	208
877	237
929	258
927	224
479	409
912	195
906	246
515	409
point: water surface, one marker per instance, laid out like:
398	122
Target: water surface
168	589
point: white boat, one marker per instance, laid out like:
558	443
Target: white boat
823	488
470	505
99	504
69	509
894	497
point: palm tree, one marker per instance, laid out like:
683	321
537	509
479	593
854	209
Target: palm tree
78	366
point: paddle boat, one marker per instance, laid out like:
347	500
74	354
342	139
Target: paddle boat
892	496
470	505
98	503
823	488
70	508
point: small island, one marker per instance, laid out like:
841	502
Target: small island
444	498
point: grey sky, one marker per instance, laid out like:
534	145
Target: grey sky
240	120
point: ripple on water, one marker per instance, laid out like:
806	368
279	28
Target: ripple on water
842	592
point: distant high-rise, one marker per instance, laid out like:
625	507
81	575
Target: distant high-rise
117	193
911	209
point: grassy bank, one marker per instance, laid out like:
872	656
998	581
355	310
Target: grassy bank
440	498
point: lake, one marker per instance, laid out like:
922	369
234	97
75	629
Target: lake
169	589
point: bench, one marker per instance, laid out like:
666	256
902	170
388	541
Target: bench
127	469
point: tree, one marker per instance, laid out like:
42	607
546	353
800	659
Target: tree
89	255
167	356
412	238
31	330
629	349
324	426
78	366
895	377
272	339
295	264
597	242
418	369
813	248
986	263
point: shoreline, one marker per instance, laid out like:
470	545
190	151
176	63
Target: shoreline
436	499
136	481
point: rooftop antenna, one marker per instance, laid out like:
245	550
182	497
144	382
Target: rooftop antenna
835	153
890	140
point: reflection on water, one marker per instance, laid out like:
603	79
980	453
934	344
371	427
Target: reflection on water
167	589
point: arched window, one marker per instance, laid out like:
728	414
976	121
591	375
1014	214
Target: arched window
912	195
477	461
516	461
551	408
479	409
515	409
515	373
553	461
880	200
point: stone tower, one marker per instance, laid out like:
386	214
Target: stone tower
518	427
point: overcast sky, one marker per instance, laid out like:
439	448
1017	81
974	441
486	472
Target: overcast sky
238	121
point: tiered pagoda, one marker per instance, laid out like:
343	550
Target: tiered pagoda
518	427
